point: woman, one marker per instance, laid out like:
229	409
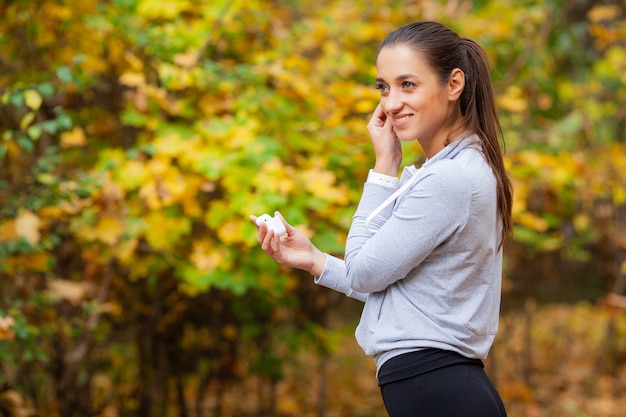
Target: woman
424	251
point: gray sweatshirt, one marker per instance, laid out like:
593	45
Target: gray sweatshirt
430	275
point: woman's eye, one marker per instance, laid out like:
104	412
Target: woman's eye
407	84
381	87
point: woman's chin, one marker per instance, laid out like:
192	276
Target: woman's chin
405	136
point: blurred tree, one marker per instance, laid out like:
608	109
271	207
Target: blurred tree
136	136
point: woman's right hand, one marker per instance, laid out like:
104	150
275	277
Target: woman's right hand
293	248
387	146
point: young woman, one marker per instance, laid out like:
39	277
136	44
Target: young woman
424	251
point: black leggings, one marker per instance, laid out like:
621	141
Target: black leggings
462	390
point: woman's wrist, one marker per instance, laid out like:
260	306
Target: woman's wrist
386	168
318	264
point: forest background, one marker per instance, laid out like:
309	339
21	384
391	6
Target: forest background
136	136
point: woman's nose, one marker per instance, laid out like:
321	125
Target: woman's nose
393	103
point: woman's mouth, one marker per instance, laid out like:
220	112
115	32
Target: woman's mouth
401	120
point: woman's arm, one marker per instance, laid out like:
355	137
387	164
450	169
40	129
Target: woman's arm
430	213
295	250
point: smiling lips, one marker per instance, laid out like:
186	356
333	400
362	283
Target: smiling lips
398	121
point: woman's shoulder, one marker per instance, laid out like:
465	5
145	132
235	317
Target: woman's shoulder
463	173
455	169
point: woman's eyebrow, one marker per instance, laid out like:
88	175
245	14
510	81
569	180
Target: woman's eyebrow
398	78
406	76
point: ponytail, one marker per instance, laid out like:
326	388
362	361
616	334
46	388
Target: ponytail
478	110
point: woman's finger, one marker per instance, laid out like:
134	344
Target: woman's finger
378	117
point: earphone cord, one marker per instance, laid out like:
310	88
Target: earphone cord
389	200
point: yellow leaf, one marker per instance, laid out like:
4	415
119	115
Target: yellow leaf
59	12
321	184
27	226
603	12
74	292
37	262
170	145
133	79
8	232
189	200
513	100
519	201
365	106
165	9
74	138
552	243
188	59
244	134
275	177
159	165
6	323
109	230
174	184
168	189
619	195
136	64
125	250
532	221
206	258
132	174
581	222
33	99
148	192
27	120
231	231
163	232
174	77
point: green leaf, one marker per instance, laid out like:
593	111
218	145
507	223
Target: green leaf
64	122
16	100
83	193
26	144
50	126
34	132
134	118
47	178
65	75
46	89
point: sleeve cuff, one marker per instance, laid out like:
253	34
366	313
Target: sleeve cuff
382	179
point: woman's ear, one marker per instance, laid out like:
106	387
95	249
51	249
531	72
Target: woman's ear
456	84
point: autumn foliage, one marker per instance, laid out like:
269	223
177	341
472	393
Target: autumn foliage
136	136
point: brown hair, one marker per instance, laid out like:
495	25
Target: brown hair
445	51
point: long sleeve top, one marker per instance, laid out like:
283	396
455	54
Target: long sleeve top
429	266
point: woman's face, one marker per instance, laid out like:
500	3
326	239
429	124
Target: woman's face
419	105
